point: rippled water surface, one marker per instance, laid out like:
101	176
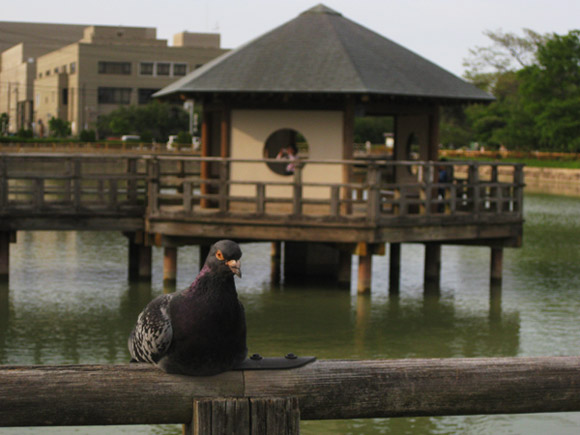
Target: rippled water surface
69	301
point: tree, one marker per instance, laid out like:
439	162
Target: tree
59	127
154	121
536	82
550	92
4	120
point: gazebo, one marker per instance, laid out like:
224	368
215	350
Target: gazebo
305	82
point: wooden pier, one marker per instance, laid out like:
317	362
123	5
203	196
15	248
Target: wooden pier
274	401
164	201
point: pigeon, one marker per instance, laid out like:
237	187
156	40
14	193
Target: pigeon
199	331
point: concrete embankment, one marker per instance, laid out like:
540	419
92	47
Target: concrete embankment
552	180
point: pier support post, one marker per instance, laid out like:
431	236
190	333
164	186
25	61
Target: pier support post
432	273
275	259
169	265
256	416
394	267
344	267
365	271
145	255
139	257
6	237
496	266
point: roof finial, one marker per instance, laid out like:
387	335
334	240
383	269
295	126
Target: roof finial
321	9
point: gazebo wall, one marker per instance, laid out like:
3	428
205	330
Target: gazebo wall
251	128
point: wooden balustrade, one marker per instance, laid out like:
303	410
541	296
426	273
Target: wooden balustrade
171	186
140	394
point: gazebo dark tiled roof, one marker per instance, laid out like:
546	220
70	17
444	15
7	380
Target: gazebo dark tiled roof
320	51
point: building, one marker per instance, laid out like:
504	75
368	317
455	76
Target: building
318	71
20	45
306	81
104	68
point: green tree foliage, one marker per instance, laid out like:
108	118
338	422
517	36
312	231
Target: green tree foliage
550	91
59	127
536	82
154	121
372	128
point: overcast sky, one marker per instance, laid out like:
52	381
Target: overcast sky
442	31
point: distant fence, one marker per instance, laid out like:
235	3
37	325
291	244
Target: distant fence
273	401
509	154
95	147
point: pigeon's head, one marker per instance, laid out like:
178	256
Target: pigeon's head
224	257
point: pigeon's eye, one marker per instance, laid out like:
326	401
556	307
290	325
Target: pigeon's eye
219	255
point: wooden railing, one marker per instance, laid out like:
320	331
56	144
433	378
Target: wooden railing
380	192
140	394
470	190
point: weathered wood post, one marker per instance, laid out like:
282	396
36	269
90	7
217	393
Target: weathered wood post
139	256
251	416
6	237
169	265
394	267
365	268
496	266
344	267
432	272
275	260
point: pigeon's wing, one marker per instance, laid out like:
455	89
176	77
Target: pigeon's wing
153	333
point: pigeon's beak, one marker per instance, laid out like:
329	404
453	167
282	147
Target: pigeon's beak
236	267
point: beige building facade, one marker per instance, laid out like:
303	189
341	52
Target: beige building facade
107	68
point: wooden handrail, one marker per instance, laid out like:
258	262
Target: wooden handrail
328	389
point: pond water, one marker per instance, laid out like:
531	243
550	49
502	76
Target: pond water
69	302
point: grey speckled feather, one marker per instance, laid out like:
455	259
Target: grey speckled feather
153	333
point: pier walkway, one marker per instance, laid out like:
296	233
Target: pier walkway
164	200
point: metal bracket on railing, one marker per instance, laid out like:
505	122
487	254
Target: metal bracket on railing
290	361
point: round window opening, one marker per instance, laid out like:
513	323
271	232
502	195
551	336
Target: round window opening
286	145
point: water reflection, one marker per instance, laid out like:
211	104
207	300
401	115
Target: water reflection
69	301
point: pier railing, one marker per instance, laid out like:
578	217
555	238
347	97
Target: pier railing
172	187
379	191
273	401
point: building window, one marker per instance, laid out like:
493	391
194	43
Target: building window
114	95
47	72
65	96
73	67
56	70
163	69
122	68
144	95
39	75
146	68
179	69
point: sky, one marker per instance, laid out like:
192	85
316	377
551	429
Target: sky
442	31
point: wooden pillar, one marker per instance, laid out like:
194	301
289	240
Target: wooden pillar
205	152
5	238
394	267
169	265
496	266
432	273
255	416
139	257
133	259
347	150
144	262
275	261
344	268
365	271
